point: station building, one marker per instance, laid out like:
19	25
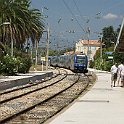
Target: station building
82	46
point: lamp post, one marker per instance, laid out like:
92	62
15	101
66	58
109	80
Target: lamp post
47	47
88	51
101	49
36	52
11	40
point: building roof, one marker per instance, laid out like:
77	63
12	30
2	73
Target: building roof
72	52
120	40
68	53
90	42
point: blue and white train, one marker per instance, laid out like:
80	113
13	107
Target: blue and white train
75	62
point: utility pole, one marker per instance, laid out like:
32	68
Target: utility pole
88	52
101	50
31	54
36	52
11	40
47	48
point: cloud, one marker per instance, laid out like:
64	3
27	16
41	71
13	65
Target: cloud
110	16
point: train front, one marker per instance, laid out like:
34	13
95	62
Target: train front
80	63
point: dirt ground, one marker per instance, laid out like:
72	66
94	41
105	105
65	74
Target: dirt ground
37	68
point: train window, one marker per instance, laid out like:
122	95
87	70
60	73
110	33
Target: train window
81	59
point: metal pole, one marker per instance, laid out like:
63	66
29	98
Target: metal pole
31	54
47	48
42	65
11	40
36	52
75	47
88	53
101	52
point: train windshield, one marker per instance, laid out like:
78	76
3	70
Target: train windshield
81	59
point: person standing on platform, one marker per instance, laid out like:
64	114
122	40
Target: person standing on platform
114	70
122	75
119	72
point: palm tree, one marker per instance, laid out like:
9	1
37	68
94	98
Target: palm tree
25	22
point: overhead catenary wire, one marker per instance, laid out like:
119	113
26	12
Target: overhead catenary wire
77	8
73	16
82	17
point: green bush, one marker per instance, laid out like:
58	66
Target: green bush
24	64
24	61
108	65
11	65
8	65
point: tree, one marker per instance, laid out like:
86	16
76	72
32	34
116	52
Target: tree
109	36
109	40
25	22
118	57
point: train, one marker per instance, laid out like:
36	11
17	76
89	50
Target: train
75	62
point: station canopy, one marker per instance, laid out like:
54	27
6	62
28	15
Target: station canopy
120	40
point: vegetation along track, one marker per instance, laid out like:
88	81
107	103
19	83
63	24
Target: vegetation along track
44	103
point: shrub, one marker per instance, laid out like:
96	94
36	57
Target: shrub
11	65
8	65
24	64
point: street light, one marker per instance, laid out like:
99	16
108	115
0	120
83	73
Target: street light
47	46
11	40
88	35
101	36
47	50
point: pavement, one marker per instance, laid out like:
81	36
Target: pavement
100	105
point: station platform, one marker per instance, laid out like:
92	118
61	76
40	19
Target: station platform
100	105
7	82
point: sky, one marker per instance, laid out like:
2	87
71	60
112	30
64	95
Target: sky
71	20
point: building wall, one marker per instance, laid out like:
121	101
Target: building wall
82	46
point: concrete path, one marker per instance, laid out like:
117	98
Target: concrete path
101	105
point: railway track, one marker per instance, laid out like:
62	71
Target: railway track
22	91
42	103
30	84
